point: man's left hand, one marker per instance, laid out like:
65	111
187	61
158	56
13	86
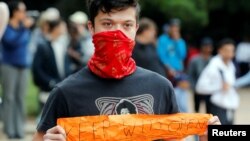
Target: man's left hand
213	121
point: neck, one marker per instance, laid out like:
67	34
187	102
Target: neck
52	37
226	61
14	23
205	55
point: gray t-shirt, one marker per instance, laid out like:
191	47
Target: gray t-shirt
85	94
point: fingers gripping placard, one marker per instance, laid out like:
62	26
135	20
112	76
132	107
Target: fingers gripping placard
134	127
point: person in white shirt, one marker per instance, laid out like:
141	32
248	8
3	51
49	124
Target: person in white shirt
242	56
218	78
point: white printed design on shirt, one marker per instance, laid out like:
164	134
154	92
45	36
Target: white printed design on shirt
142	104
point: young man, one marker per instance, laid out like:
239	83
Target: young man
144	52
196	66
51	62
219	75
111	84
172	48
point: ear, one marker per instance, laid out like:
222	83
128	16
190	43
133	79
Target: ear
137	27
91	28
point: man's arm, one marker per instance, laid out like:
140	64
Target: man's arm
38	136
56	133
161	50
181	48
55	107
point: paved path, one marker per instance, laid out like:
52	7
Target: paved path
242	116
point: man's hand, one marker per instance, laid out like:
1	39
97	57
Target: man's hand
226	87
176	35
28	22
56	133
171	73
213	121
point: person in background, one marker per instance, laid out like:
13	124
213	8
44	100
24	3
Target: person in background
51	64
75	48
196	66
4	17
14	70
41	30
172	49
80	19
182	91
219	76
242	56
3	23
192	49
144	53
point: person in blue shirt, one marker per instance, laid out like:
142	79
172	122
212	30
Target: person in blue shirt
14	69
171	48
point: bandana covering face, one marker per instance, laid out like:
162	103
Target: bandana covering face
112	57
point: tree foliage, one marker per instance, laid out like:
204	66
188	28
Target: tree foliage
191	12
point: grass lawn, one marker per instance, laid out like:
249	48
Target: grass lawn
31	99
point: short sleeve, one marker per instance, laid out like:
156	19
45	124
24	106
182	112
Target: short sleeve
55	107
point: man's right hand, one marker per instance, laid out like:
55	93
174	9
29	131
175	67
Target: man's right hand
28	22
226	87
176	35
56	133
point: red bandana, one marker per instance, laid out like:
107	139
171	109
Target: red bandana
112	57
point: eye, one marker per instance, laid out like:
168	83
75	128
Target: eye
127	25
107	24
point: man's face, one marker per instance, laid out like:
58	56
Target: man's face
123	20
150	34
81	28
227	52
20	13
207	49
174	29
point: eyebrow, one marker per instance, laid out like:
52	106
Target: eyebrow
107	19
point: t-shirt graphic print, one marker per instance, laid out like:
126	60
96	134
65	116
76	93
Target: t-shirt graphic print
142	104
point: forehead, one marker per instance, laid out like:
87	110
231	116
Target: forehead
227	47
128	14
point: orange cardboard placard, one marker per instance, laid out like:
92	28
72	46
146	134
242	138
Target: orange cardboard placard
134	127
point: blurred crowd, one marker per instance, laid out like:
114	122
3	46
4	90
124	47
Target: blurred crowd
52	48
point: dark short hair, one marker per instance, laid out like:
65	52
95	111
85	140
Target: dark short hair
53	24
13	6
174	22
225	41
106	6
206	41
126	104
144	24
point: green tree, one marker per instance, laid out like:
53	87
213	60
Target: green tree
191	12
